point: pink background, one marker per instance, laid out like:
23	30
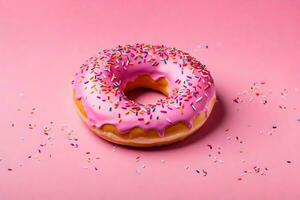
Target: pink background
42	45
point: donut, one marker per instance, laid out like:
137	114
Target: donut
101	85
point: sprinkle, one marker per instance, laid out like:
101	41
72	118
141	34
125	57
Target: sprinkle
236	100
120	57
193	107
46	128
204	172
114	148
168	120
199	99
154	64
32	111
288	161
202	46
264	101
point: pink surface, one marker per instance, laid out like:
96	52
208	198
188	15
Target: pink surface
42	45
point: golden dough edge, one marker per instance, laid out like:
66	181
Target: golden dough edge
137	137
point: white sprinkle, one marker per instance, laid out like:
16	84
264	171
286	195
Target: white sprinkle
168	120
202	46
187	167
215	159
199	99
114	148
193	107
270	90
69	131
143	166
46	128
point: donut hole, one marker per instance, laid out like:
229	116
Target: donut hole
145	90
144	95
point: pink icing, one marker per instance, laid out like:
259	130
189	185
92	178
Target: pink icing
101	81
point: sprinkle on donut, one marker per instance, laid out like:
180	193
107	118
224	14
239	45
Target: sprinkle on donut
102	79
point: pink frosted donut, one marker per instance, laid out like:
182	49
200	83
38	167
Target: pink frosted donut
100	94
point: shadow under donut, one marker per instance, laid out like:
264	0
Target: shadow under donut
214	121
